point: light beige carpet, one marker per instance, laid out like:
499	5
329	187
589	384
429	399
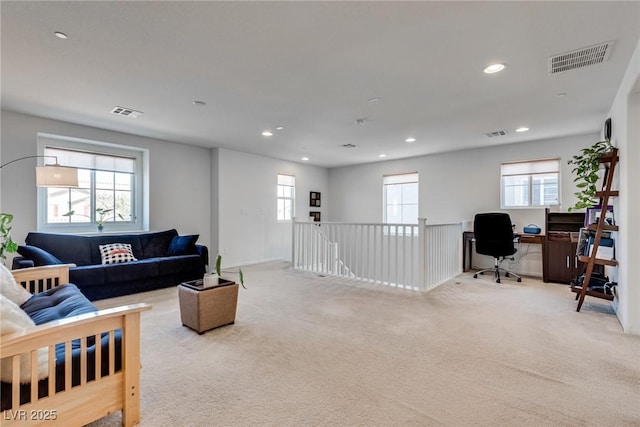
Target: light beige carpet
312	351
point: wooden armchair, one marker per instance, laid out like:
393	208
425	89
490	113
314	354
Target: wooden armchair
87	398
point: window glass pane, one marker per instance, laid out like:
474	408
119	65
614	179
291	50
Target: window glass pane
84	178
410	193
410	214
394	194
123	203
287	209
58	204
80	205
280	209
394	214
544	190
516	190
123	181
104	180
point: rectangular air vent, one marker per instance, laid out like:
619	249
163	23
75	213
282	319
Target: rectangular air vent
126	112
496	133
579	58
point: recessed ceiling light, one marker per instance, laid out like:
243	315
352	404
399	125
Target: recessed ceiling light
374	99
410	140
305	159
267	133
382	156
199	103
280	128
60	35
561	94
522	129
494	68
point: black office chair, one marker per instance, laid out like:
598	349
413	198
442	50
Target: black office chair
493	233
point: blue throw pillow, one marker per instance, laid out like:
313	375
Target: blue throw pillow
39	256
183	245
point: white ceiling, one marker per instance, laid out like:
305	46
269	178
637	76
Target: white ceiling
312	67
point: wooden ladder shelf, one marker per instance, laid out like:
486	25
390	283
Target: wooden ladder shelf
610	161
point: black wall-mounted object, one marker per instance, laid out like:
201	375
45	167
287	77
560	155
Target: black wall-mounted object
607	129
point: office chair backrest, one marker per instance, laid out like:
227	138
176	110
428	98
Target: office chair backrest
494	234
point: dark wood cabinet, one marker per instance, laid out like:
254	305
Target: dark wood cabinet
562	263
559	263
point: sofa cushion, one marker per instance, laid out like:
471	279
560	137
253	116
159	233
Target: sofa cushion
156	244
88	275
39	256
57	303
114	253
14	320
10	289
179	264
183	245
130	271
68	248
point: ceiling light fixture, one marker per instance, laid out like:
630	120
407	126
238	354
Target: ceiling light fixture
279	127
494	68
267	133
374	99
522	129
199	103
60	35
305	159
410	140
382	156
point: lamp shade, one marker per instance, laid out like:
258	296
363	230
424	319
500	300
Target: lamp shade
56	176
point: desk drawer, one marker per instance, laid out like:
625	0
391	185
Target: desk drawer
559	236
531	238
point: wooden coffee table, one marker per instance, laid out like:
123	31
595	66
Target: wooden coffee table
203	309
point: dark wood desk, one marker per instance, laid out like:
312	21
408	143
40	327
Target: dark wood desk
467	245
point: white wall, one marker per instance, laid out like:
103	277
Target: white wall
455	186
180	195
248	229
625	119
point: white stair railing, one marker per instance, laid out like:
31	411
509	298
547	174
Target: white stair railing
410	256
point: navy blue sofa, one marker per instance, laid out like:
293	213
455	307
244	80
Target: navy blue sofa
164	259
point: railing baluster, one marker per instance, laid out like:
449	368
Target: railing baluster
409	256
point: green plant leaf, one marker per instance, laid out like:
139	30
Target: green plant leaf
241	278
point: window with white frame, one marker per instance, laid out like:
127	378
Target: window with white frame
286	197
400	198
532	183
110	188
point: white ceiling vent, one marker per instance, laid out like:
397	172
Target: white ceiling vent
126	112
579	58
496	133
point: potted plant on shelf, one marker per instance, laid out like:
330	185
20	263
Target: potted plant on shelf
7	245
586	168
